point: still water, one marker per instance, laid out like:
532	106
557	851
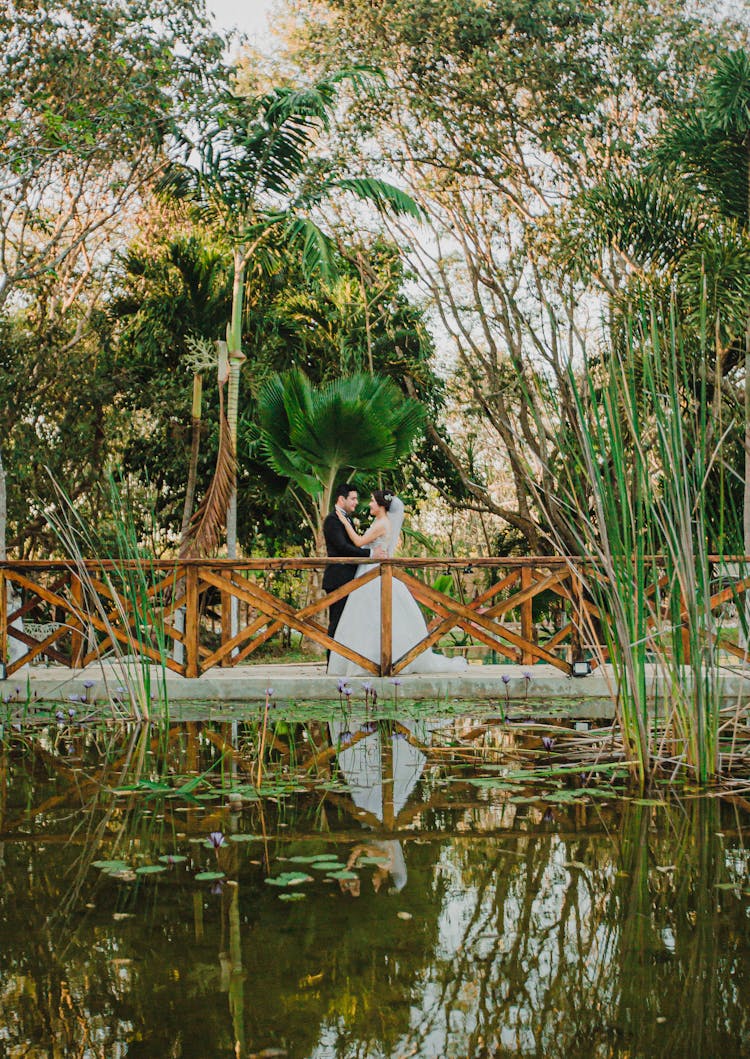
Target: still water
388	891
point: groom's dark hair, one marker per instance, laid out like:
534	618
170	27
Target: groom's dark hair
344	488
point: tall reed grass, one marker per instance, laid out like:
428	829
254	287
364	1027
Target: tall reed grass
135	608
634	474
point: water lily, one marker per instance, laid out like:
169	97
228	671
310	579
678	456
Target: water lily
59	716
216	838
71	713
548	742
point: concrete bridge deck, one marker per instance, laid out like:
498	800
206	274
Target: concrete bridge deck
544	691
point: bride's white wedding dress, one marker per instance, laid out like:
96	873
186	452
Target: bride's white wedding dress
359	625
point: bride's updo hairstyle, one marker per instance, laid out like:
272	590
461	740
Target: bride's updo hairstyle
382	499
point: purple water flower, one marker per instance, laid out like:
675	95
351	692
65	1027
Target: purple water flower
59	716
216	839
74	698
269	692
505	678
71	713
345	738
396	682
88	684
548	742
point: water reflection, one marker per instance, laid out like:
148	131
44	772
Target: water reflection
381	763
618	931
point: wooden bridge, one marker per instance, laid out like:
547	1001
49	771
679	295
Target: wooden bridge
524	609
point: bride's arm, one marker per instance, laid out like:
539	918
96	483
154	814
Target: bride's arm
362	539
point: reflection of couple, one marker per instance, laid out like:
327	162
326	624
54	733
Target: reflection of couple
355	620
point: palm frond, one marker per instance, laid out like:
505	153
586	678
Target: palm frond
318	250
386	198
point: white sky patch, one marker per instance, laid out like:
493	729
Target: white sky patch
251	17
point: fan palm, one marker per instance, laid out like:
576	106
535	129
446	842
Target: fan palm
252	173
313	436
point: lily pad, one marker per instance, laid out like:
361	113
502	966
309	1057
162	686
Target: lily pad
245	838
289	878
328	865
208	876
150	869
110	865
342	875
372	860
172	858
292	897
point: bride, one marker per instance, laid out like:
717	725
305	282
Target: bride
359	626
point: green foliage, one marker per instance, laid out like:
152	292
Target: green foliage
90	94
645	454
313	436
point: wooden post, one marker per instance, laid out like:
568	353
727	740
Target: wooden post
226	625
76	640
577	619
3	618
191	621
527	617
386	619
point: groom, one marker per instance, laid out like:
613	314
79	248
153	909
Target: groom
338	545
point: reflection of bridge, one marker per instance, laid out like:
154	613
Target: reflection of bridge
89	608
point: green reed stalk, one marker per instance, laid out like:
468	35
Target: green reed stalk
633	480
134	610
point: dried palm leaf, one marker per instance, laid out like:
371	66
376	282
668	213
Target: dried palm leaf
203	533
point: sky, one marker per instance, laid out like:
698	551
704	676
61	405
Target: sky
250	16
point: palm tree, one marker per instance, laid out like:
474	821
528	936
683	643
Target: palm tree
175	299
313	436
252	173
710	148
683	223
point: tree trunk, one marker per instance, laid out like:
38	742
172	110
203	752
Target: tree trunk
236	358
3	508
195	440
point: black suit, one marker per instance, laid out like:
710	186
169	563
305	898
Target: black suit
338	545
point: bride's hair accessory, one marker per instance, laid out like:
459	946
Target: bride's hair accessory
382	499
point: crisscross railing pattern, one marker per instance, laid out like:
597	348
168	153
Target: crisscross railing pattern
524	609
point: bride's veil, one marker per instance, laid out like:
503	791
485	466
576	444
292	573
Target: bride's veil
396	517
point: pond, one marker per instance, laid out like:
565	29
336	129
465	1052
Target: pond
392	887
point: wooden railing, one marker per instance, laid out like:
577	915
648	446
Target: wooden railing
73	613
